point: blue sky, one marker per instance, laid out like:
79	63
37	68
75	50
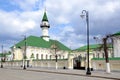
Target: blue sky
23	17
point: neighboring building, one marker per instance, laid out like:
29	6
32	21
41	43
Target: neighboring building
113	56
116	44
95	51
6	56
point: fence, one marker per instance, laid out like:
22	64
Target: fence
61	63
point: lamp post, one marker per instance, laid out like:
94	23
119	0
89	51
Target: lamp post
56	57
24	57
55	48
87	21
2	57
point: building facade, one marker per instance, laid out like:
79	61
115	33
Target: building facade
116	44
95	51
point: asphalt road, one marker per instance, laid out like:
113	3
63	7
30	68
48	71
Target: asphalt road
11	74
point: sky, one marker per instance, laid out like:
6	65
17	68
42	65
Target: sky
23	17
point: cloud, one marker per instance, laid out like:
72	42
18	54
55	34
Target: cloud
13	22
27	5
102	15
67	36
64	18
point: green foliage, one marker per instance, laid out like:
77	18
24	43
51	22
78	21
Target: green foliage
25	57
32	56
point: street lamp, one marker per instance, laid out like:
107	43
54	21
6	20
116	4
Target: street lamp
55	48
24	56
85	13
2	57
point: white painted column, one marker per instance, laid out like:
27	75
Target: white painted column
56	65
108	67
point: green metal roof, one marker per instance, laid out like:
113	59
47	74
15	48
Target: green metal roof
1	55
45	17
39	42
116	34
116	58
92	47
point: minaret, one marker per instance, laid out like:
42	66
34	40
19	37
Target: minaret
45	26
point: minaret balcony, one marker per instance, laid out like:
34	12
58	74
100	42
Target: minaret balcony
45	25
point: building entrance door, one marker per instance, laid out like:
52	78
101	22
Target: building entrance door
28	63
77	63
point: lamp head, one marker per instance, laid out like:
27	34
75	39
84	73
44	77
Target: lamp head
82	16
95	37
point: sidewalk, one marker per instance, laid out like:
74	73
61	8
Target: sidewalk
99	74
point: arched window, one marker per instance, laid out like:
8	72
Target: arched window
103	55
50	56
41	56
98	55
32	56
37	56
46	56
59	56
13	56
63	57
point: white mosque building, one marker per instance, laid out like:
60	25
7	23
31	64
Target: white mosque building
40	48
